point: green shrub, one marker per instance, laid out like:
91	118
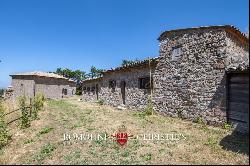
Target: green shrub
37	105
100	102
199	120
147	157
5	137
78	92
25	121
227	126
45	151
148	110
45	130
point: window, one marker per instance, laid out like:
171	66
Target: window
88	89
144	83
93	88
112	84
176	52
84	88
64	91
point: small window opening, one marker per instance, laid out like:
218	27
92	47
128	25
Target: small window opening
176	53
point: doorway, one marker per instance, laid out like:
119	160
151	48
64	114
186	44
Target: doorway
96	91
238	100
123	92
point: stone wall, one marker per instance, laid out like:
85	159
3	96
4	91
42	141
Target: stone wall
135	98
8	94
194	86
91	95
23	86
50	87
191	84
237	52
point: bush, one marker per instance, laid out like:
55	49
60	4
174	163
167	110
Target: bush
227	126
78	92
199	120
5	137
37	105
148	110
100	102
25	122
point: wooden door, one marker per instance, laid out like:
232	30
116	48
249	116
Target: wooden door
123	92
238	101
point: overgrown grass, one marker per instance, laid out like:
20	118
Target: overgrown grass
100	102
201	146
227	126
28	141
37	105
45	151
61	104
45	131
5	136
25	121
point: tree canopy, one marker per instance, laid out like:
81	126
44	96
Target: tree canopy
76	75
128	62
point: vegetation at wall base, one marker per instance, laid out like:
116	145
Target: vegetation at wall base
25	121
5	136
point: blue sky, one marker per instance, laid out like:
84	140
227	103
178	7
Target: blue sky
47	34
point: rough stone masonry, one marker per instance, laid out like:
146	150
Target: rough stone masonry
189	76
194	85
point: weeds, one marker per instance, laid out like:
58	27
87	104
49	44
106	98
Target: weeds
227	126
28	141
5	137
25	121
100	102
38	103
147	157
44	152
199	120
149	110
211	142
45	130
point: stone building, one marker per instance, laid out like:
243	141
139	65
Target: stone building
123	86
191	76
51	85
199	74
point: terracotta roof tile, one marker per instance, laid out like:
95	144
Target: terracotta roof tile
42	74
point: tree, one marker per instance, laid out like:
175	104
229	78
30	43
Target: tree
1	92
128	62
59	71
76	75
94	72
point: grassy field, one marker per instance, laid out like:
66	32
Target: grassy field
42	143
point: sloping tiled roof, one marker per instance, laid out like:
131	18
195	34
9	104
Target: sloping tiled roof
91	79
132	65
42	74
228	27
135	64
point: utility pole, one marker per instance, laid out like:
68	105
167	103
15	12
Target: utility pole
150	84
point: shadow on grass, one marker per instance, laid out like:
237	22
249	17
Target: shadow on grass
236	142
